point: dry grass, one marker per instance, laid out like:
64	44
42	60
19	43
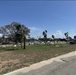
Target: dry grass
15	58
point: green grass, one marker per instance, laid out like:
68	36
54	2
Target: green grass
32	54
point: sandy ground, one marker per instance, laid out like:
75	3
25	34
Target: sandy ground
41	64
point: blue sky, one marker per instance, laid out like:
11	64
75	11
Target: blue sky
57	17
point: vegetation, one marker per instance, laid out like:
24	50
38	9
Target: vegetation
66	35
45	36
75	37
53	38
15	32
12	58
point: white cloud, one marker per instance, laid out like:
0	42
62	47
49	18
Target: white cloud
35	32
59	34
34	29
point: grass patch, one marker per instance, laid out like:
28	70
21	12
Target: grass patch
14	58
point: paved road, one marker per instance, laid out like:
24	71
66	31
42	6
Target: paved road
66	67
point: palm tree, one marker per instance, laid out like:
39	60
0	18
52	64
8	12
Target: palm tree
53	38
45	35
66	35
75	37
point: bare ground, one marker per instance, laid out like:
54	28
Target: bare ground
12	60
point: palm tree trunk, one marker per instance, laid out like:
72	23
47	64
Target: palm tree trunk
21	43
24	42
54	42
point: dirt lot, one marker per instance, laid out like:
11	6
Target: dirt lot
15	58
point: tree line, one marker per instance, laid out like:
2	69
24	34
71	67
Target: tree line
17	33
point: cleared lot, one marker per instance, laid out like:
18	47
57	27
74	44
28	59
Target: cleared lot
14	58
